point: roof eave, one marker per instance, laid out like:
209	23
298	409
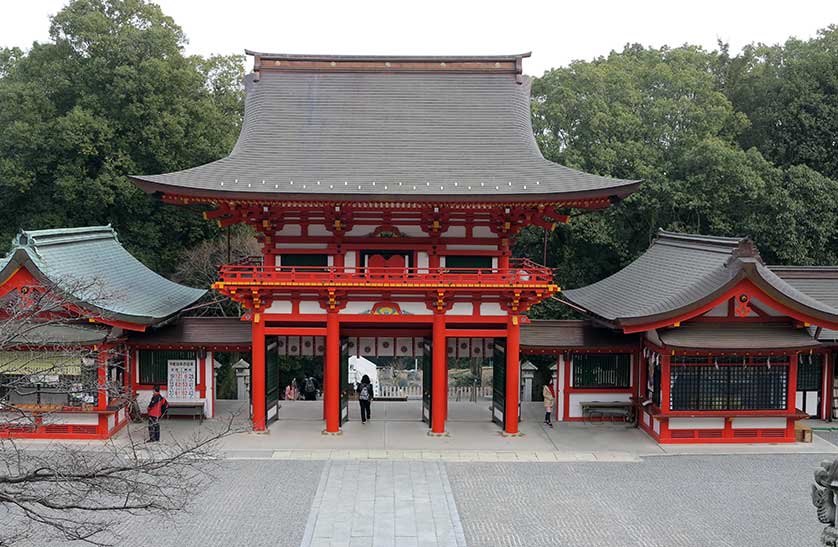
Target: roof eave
617	192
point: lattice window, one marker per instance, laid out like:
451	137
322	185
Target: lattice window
154	364
601	370
729	383
809	372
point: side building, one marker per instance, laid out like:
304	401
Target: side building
711	344
68	299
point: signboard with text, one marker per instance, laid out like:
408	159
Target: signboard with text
182	380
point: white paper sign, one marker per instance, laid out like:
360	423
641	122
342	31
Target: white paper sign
181	379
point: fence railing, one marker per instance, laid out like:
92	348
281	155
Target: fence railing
521	271
466	393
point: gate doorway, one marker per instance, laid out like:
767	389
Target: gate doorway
471	377
398	364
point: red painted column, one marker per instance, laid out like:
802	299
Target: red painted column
665	382
829	393
791	404
503	259
513	373
257	373
439	386
102	379
331	374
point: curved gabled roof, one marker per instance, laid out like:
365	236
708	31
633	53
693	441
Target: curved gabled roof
423	128
98	273
683	272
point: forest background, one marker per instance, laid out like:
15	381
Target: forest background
727	144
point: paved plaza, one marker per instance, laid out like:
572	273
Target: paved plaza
582	485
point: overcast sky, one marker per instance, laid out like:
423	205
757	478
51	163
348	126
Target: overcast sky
556	31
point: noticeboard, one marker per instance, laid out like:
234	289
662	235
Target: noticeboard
181	382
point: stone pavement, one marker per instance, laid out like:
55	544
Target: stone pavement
384	504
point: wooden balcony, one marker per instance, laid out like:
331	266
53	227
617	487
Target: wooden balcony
521	274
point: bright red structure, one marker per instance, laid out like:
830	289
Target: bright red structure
386	193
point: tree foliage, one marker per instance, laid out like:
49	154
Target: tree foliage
111	94
725	145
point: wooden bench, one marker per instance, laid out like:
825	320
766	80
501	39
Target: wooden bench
609	409
187	408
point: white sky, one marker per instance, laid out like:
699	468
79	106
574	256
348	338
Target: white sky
556	31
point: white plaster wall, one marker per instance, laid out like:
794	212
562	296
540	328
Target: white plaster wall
482	231
456	231
357	307
696	423
71	419
349	260
718	311
811	401
560	389
491	308
422	260
111	421
358	231
764	307
411	231
656	426
209	399
462	308
318	230
415	308
745	422
290	230
575	410
311	307
279	306
294	246
487	248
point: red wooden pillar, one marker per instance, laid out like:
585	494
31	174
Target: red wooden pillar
439	376
102	379
792	402
513	373
331	374
257	374
503	259
828	385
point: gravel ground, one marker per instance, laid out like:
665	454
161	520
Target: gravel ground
250	503
662	501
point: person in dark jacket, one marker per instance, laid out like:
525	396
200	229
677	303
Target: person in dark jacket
157	408
365	395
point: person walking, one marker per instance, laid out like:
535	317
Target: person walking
365	395
157	408
310	388
549	394
291	392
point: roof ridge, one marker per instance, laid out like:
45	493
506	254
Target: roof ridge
59	236
700	238
351	57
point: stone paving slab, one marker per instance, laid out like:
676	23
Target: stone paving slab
438	456
382	503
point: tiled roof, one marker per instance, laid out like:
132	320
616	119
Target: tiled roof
819	282
572	334
98	272
199	332
386	133
680	272
736	336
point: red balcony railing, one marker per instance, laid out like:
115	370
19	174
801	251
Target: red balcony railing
521	271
